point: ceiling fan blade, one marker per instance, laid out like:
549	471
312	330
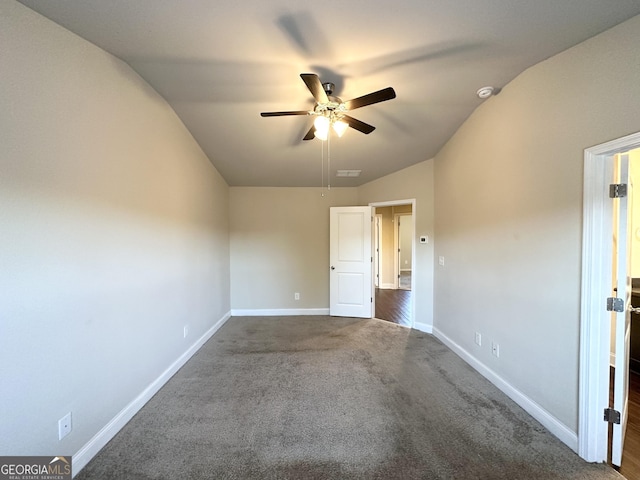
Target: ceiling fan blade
371	98
315	87
281	114
358	125
310	134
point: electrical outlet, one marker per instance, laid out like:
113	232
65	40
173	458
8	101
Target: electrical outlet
495	349
296	296
478	339
186	331
64	426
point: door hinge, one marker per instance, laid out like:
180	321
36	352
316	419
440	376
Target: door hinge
617	190
611	416
615	304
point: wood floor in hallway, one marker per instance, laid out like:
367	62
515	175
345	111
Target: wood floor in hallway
631	454
394	306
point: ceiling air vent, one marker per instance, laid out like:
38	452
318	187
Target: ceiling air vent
348	173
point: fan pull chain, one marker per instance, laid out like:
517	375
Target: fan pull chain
329	161
322	169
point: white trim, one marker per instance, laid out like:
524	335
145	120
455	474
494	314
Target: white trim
396	254
387	286
100	439
377	243
278	312
423	327
595	329
555	426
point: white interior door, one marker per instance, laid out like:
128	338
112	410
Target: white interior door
351	275
622	221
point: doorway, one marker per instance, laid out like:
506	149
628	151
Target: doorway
395	233
625	452
402	248
595	331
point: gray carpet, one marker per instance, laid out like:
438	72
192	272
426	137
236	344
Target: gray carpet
332	398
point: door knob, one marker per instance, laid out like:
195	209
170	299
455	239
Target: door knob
332	267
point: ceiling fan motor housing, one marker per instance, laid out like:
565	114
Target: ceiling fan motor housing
333	108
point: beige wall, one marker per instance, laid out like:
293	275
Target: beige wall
415	182
280	245
280	240
508	209
114	235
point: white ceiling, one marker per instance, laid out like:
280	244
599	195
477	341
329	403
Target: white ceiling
220	63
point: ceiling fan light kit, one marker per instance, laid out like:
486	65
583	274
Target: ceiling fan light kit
340	127
321	125
331	111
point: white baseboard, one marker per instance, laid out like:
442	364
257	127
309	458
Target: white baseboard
388	286
423	327
278	312
551	423
100	439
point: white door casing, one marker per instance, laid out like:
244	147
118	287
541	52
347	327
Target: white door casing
377	250
351	262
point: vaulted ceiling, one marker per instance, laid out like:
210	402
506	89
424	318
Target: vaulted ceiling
219	63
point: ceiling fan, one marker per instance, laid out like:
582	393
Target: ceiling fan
331	111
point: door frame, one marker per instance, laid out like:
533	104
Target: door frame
377	242
595	325
395	203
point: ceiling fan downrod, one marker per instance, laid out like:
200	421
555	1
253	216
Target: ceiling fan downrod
328	88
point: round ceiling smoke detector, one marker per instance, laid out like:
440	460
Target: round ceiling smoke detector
485	92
